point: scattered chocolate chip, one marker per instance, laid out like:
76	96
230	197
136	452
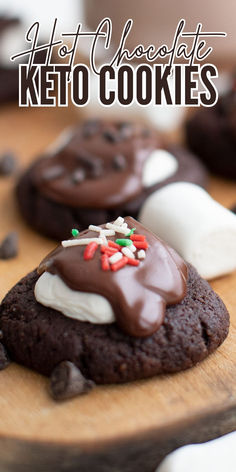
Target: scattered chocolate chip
9	246
96	171
4	359
125	129
1	334
78	176
7	164
119	162
87	160
93	165
90	128
111	137
53	172
67	381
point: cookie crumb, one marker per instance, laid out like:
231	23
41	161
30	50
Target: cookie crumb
7	163
9	246
67	381
4	359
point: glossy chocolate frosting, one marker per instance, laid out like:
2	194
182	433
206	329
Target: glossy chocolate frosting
99	166
138	295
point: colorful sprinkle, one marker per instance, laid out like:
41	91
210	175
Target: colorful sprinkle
132	248
141	244
104	239
119	221
105	262
90	251
118	229
114	254
75	232
141	254
118	265
137	237
131	232
113	244
107	232
127	252
133	262
108	250
80	242
115	257
124	242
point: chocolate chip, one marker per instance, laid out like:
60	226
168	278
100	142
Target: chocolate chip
94	165
96	171
9	246
4	359
111	137
78	176
68	382
1	334
53	172
7	164
119	162
125	129
90	128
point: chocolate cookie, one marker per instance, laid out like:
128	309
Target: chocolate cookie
211	134
101	170
185	320
40	337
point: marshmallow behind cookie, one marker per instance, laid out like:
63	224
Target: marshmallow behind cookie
218	455
199	228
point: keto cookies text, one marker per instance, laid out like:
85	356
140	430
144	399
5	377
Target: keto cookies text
174	75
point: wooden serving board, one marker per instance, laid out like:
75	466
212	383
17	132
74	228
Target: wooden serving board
114	428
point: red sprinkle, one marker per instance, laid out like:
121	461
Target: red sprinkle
105	262
140	244
119	264
90	250
133	262
137	237
114	245
108	250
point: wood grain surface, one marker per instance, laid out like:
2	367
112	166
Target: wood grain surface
128	427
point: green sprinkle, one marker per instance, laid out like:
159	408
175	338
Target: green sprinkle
75	232
131	232
124	242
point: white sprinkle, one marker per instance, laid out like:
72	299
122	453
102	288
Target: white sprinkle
118	229
132	248
80	242
107	232
103	237
141	254
127	252
94	228
119	221
115	257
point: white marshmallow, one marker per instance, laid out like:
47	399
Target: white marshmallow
195	225
159	166
218	455
50	290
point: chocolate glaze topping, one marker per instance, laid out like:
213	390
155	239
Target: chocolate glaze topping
108	157
138	295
